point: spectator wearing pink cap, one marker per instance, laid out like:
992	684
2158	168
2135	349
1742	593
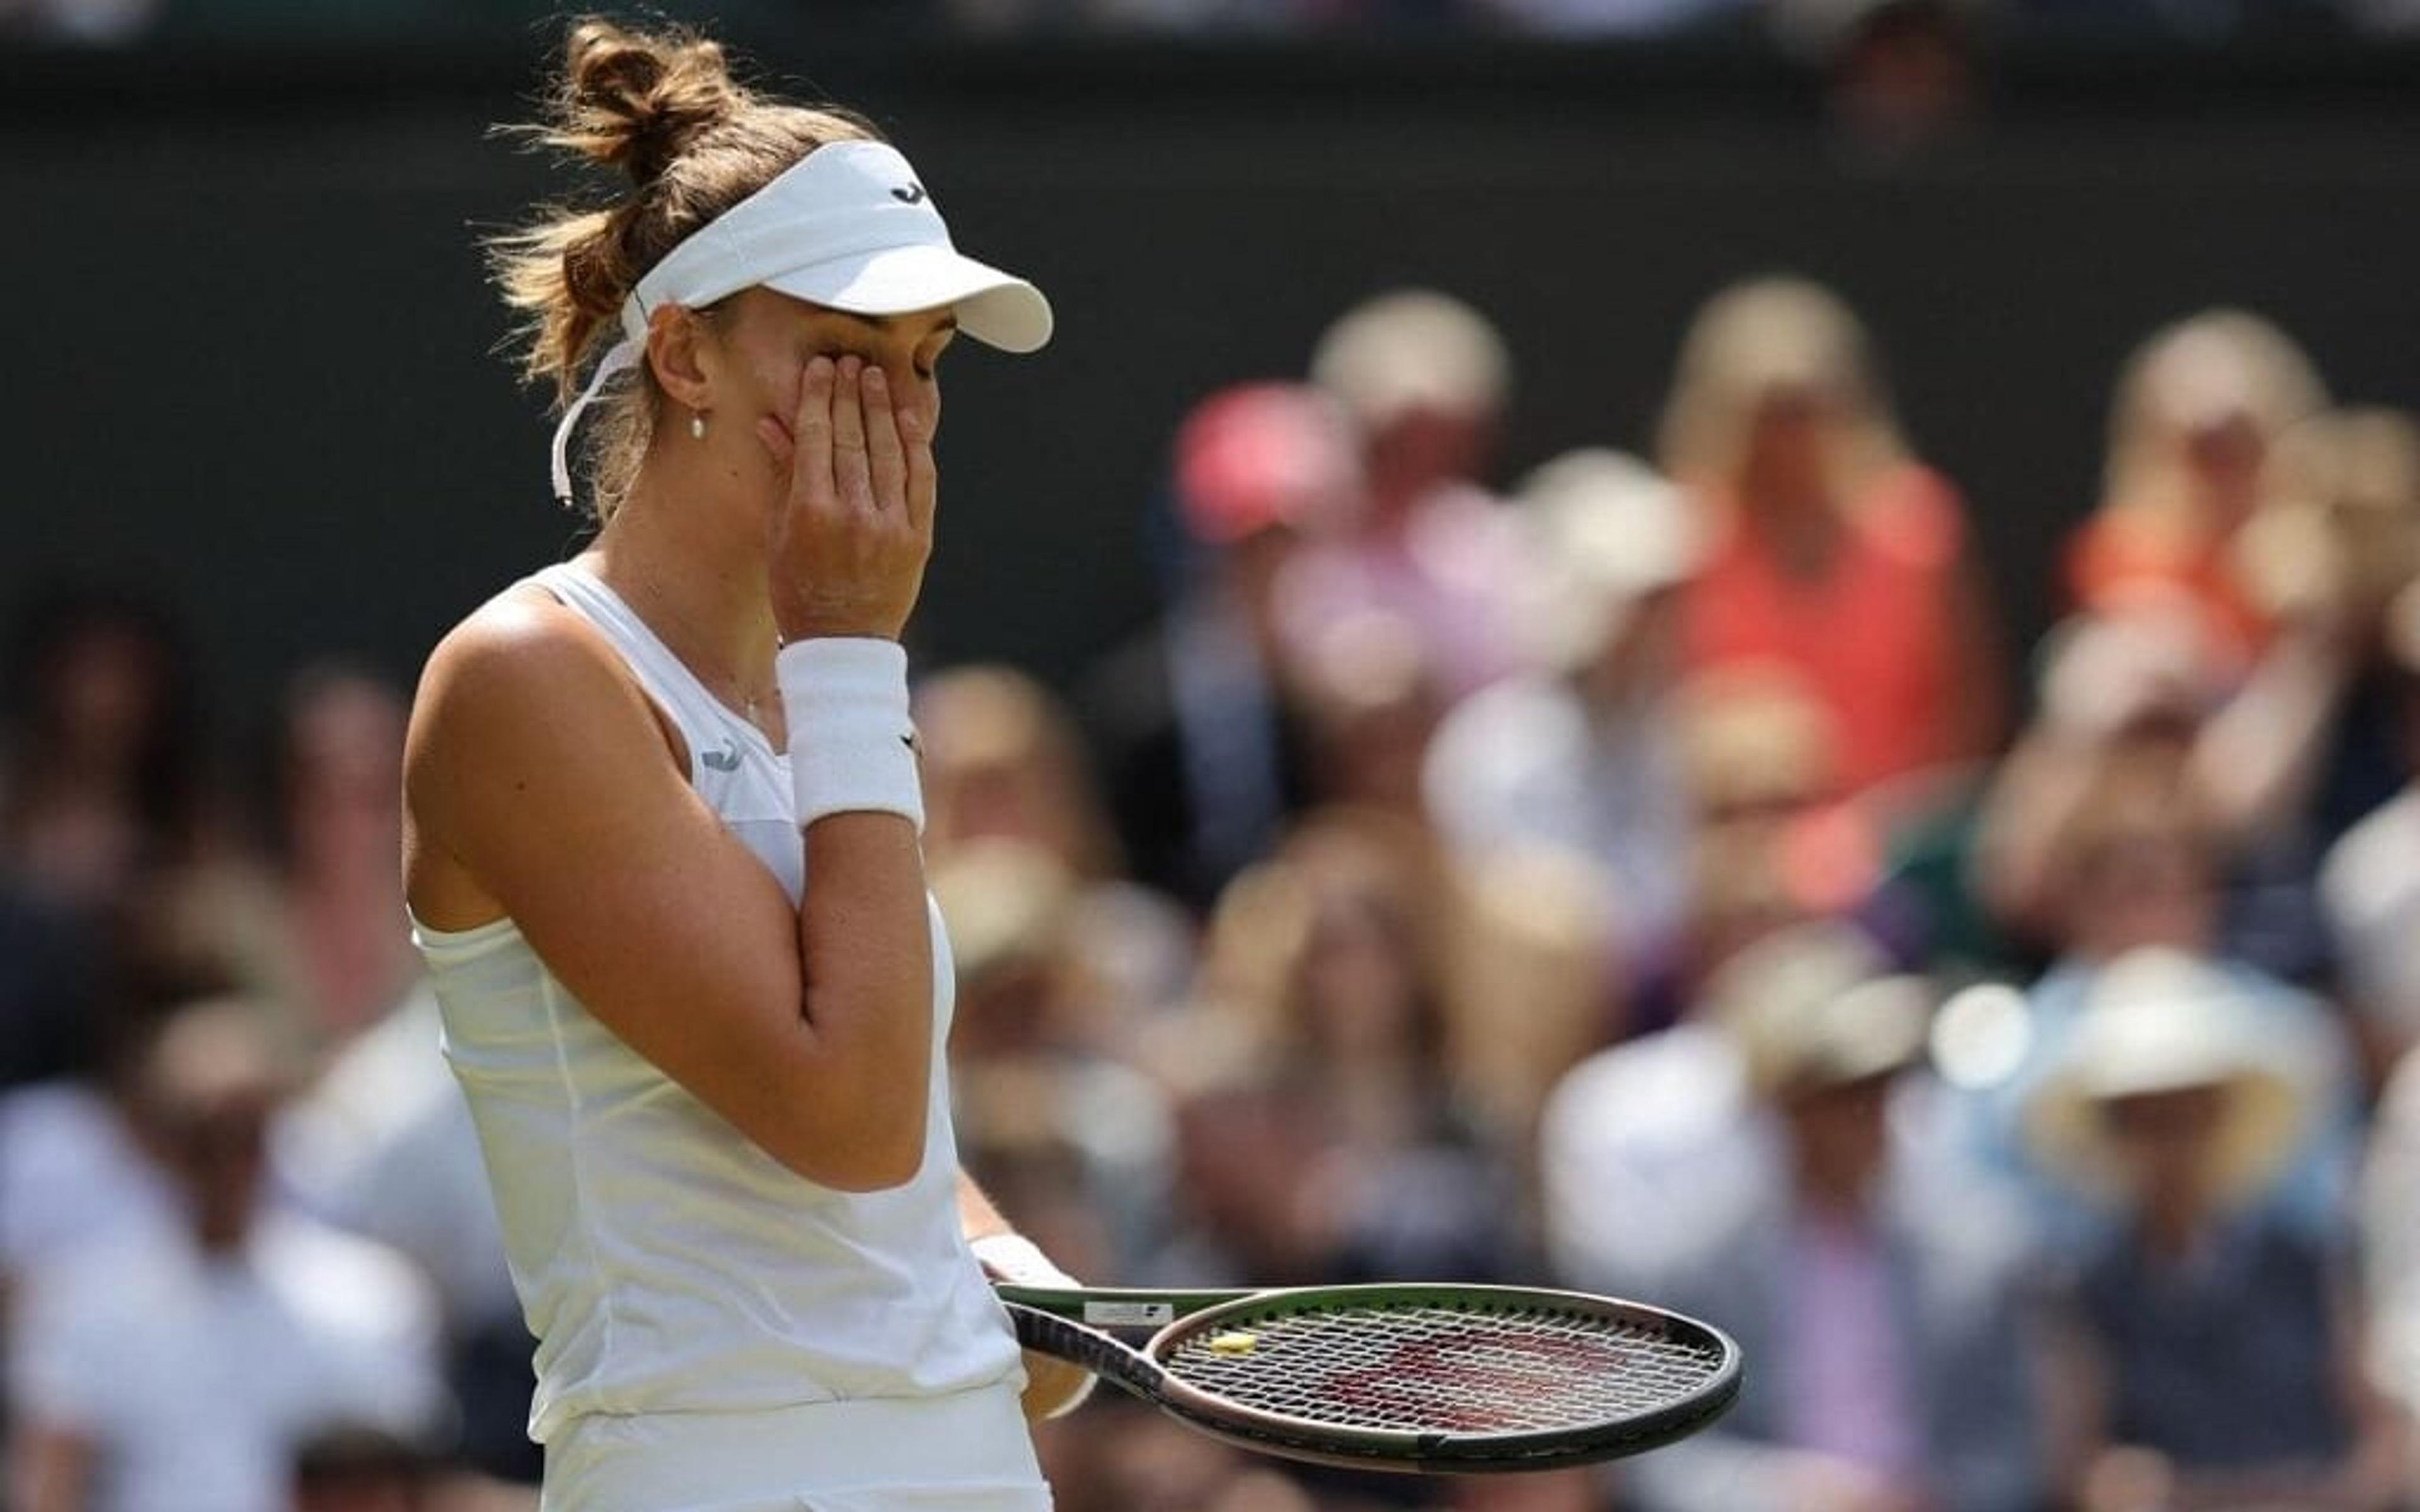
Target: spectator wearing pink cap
1424	379
1200	752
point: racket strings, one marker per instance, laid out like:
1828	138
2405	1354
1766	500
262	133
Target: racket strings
1426	1368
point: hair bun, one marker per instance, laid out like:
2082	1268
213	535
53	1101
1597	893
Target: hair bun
636	100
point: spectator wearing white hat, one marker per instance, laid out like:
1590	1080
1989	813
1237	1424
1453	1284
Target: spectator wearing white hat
1583	755
2128	852
1424	379
1885	1306
2212	1343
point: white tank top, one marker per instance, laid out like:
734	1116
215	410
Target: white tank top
665	1262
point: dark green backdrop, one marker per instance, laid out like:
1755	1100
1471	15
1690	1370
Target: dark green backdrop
250	352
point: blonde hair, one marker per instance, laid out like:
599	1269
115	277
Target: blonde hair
663	108
1410	349
2226	361
1758	335
992	727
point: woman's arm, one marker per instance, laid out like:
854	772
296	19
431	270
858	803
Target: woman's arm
1052	1387
537	768
537	765
53	1470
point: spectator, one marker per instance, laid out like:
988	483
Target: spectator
1424	379
1006	772
1199	739
112	856
339	828
2135	865
74	1170
1664	1119
187	1371
50	970
2347	517
2199	409
1585	755
78	22
1045	1101
360	1470
100	781
1002	761
1831	549
2370	886
1775	843
2388	1221
381	1144
1536	986
2146	685
1614	18
1371	703
1900	74
1330	961
1884	1304
2213	1345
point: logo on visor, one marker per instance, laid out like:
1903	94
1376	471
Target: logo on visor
912	194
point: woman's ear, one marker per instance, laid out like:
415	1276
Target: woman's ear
677	339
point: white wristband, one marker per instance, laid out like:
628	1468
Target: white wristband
852	746
1020	1261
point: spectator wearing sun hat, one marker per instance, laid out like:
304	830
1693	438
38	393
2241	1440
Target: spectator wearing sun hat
1883	1305
2211	1341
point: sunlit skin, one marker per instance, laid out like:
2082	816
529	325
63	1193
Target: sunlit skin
705	515
1838	1142
2223	459
1785	476
2164	1139
2139	887
543	785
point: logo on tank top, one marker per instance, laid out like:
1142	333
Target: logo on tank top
725	760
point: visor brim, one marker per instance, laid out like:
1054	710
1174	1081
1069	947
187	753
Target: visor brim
996	308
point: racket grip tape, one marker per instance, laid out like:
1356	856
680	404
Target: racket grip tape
1077	1345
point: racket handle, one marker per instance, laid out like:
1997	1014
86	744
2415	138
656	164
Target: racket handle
1104	1356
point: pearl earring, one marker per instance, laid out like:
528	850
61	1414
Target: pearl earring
697	423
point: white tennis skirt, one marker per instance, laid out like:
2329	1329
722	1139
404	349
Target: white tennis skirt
970	1452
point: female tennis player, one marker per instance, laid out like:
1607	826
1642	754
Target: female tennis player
663	814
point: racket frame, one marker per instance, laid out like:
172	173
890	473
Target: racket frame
1071	1323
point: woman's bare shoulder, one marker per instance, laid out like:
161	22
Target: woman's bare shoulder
522	667
519	696
522	645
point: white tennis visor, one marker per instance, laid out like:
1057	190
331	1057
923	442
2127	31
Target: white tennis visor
849	228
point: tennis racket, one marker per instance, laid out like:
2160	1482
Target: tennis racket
1447	1380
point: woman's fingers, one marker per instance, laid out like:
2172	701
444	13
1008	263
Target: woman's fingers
777	442
923	477
849	544
850	476
886	455
811	454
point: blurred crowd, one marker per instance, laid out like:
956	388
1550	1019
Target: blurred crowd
1902	28
1655	877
